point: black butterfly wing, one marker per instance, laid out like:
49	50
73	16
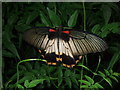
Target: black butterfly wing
38	37
82	43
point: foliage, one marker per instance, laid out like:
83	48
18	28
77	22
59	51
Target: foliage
102	19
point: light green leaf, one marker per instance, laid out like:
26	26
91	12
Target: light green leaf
101	74
73	19
108	81
35	82
98	85
26	83
107	72
89	79
56	21
85	82
84	86
114	78
20	86
45	19
116	74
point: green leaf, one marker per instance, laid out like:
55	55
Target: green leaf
89	79
104	33
84	86
73	19
37	65
60	81
73	79
106	12
108	81
68	82
31	17
45	19
98	85
114	78
85	82
116	74
28	66
12	19
67	73
114	59
101	74
96	29
26	83
22	27
10	46
20	86
107	72
80	64
35	82
56	21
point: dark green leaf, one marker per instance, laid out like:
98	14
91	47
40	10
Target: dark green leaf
67	73
56	21
68	82
12	19
22	27
59	81
73	79
45	19
114	59
73	19
31	17
98	85
89	79
85	67
96	29
85	82
106	12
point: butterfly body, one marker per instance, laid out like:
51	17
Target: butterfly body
64	45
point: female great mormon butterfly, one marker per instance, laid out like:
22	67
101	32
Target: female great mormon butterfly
65	45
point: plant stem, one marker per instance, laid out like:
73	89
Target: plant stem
26	61
97	66
81	74
84	12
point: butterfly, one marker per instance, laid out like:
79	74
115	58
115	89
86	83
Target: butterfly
63	45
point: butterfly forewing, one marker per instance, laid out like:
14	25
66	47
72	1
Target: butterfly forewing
87	43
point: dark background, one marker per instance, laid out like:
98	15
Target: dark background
102	19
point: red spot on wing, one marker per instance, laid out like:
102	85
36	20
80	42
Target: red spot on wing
52	30
67	32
